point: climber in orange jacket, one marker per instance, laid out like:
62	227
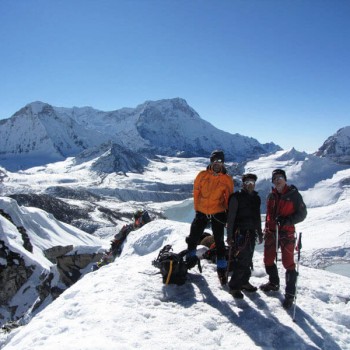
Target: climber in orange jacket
211	191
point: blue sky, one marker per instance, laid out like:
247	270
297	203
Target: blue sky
271	69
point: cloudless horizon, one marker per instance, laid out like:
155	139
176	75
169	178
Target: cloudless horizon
272	70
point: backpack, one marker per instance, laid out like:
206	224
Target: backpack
145	217
141	218
172	265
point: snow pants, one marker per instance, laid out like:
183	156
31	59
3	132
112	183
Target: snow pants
286	241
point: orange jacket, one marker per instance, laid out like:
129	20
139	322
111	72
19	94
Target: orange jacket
211	191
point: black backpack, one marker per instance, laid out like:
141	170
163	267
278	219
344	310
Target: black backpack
172	265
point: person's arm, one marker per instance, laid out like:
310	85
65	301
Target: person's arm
258	219
196	191
231	217
300	210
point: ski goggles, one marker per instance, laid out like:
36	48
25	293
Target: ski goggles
249	182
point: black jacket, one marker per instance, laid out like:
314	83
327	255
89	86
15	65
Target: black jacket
244	213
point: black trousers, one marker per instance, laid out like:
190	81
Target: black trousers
200	222
242	253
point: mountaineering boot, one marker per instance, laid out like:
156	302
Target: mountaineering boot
249	288
221	269
288	301
291	279
222	276
268	287
236	293
274	281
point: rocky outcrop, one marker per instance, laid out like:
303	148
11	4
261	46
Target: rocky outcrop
13	270
53	253
70	266
13	273
68	269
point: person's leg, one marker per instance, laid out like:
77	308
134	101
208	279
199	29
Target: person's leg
198	225
218	222
287	250
270	266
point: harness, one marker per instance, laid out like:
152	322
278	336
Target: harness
212	216
241	241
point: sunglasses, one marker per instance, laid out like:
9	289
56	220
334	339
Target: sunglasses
217	161
249	182
276	178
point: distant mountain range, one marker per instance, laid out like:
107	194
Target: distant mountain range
40	133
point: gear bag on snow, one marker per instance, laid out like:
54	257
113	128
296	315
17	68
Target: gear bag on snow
172	265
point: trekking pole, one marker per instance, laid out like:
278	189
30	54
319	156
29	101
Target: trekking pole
276	243
298	248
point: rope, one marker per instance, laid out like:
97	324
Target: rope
211	216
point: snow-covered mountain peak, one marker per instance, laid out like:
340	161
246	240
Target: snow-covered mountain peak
337	146
294	155
34	109
169	105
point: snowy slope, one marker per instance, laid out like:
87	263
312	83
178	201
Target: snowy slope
125	306
43	229
320	180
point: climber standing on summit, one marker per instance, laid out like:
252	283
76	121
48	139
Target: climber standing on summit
284	208
243	230
211	191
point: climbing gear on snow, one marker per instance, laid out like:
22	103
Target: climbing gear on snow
172	265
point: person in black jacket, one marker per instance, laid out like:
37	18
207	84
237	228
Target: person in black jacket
243	229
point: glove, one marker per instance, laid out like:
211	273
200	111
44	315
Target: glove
281	220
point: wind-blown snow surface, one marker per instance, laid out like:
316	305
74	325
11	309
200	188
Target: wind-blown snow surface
124	305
